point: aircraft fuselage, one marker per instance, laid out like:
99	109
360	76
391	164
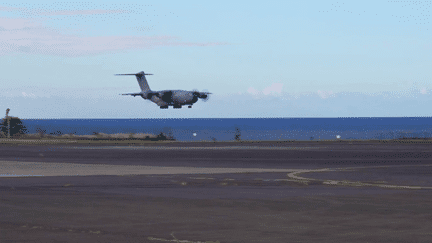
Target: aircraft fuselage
174	98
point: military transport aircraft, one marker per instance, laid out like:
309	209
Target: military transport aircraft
165	98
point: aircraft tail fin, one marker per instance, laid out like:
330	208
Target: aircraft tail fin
142	81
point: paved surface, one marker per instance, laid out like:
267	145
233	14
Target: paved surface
251	193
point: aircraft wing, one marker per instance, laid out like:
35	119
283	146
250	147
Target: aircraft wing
133	94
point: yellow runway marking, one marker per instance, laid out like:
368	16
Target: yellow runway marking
295	175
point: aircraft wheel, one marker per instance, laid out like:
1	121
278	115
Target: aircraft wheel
190	106
164	107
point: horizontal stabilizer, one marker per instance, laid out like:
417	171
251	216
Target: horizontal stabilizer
135	74
133	94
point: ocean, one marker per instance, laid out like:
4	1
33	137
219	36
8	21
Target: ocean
248	128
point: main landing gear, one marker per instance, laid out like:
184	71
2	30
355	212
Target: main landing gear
174	106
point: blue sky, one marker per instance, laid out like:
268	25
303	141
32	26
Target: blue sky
260	59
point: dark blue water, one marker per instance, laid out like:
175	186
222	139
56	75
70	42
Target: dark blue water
249	128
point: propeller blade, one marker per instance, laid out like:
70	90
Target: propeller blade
206	97
202	95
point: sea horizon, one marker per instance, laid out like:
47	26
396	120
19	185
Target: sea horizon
283	128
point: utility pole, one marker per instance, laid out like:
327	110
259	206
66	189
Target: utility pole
8	121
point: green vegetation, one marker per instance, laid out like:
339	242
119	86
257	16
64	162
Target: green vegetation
237	135
41	137
114	140
17	129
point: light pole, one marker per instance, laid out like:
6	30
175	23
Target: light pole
8	121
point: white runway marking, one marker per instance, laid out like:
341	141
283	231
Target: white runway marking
15	168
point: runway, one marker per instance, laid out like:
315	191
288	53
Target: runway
250	193
14	169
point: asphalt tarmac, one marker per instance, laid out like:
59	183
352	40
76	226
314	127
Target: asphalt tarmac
250	192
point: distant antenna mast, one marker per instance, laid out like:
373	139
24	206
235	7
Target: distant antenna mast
8	120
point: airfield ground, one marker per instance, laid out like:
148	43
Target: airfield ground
335	191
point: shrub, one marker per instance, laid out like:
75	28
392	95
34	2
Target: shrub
17	129
237	134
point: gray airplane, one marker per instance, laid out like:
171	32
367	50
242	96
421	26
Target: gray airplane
165	98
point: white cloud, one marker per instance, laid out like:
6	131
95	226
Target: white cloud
28	95
423	91
275	87
253	91
32	37
325	94
29	11
107	103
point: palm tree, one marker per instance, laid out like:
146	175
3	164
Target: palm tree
7	118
